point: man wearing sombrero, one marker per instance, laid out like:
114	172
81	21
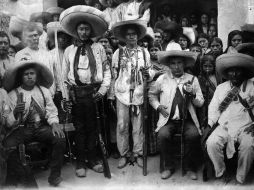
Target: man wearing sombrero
85	67
231	115
127	63
166	96
36	112
31	34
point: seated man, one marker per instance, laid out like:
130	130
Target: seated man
36	112
167	95
230	116
6	120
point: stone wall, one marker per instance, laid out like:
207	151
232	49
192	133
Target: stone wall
232	14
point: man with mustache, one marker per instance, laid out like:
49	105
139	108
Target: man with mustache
86	68
166	96
230	113
31	34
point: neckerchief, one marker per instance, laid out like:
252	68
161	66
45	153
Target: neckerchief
85	49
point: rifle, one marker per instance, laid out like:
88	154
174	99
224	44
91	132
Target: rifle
186	98
30	181
106	169
145	129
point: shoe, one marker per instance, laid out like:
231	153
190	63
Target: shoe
98	168
139	161
81	172
122	162
166	174
55	181
192	175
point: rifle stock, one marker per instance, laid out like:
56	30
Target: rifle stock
106	169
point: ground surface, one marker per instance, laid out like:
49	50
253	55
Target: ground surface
131	178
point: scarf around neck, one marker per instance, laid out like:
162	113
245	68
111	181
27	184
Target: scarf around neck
84	48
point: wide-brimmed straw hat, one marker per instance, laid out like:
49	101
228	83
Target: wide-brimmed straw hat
75	15
189	57
44	75
17	25
190	33
44	16
246	48
55	10
140	25
230	60
52	27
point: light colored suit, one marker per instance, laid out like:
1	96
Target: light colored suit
162	92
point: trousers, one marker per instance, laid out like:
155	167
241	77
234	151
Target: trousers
42	134
217	142
124	116
165	142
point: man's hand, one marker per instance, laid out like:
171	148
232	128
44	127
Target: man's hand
189	90
250	130
163	110
98	96
19	109
57	131
145	72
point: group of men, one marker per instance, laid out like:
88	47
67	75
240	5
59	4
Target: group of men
174	93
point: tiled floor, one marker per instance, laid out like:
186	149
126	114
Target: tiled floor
131	177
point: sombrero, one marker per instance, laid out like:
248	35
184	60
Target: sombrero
240	60
190	33
55	10
170	26
246	48
72	16
16	26
45	77
45	16
189	57
52	27
139	24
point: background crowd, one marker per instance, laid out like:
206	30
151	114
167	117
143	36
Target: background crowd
196	32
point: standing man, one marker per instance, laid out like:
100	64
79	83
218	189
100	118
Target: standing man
166	96
86	68
128	63
31	35
37	113
231	110
5	60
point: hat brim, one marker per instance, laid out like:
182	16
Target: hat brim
16	26
45	16
189	57
139	24
190	33
44	77
55	10
239	60
246	48
75	15
52	27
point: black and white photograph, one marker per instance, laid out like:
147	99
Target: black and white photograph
127	94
